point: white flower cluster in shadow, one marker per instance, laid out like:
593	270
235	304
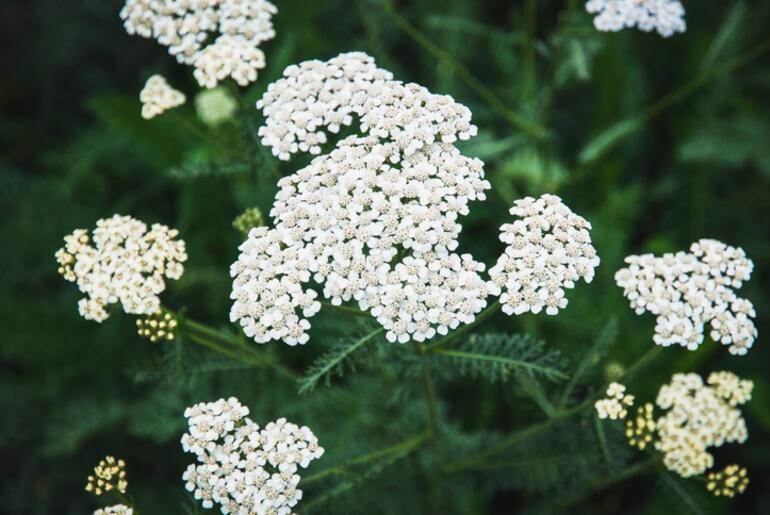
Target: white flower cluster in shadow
158	96
616	404
375	221
686	290
118	509
220	38
548	249
664	16
700	416
122	262
242	468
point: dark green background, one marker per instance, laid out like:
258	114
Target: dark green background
74	149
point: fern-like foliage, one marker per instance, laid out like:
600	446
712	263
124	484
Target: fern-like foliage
500	357
338	359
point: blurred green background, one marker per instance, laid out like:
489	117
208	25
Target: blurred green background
658	142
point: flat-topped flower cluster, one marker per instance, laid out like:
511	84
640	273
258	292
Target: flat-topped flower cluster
122	262
220	38
664	16
242	468
375	221
686	290
700	415
158	96
615	405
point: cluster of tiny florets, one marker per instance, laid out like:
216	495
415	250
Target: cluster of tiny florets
616	404
241	468
640	430
127	263
664	16
220	38
118	509
731	480
158	96
157	327
548	250
215	106
248	220
686	290
109	475
699	416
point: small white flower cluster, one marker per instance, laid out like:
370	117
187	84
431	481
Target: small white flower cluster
665	16
118	509
215	106
241	468
237	27
158	96
547	250
700	416
126	264
689	289
616	404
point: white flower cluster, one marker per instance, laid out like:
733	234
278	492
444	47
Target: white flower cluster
547	250
665	16
158	96
126	263
616	404
689	289
118	509
700	416
234	28
241	468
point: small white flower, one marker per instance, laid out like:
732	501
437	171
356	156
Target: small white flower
664	16
118	509
157	96
616	404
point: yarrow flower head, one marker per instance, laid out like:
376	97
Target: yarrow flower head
375	220
234	30
109	475
616	404
640	431
731	480
118	509
157	97
248	220
686	290
242	468
125	263
699	416
158	327
215	106
548	250
664	16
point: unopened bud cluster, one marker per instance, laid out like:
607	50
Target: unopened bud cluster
109	475
157	327
731	480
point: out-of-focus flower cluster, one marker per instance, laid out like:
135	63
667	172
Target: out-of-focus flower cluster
616	404
157	96
640	430
375	220
699	416
118	509
547	250
664	16
731	480
109	475
220	38
157	327
241	468
125	263
689	289
215	106
248	220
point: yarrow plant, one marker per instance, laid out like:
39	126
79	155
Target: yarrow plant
616	404
664	16
109	475
375	220
121	262
157	97
220	38
242	468
687	290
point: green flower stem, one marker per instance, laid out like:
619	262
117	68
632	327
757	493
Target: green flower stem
516	120
489	311
527	432
405	447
